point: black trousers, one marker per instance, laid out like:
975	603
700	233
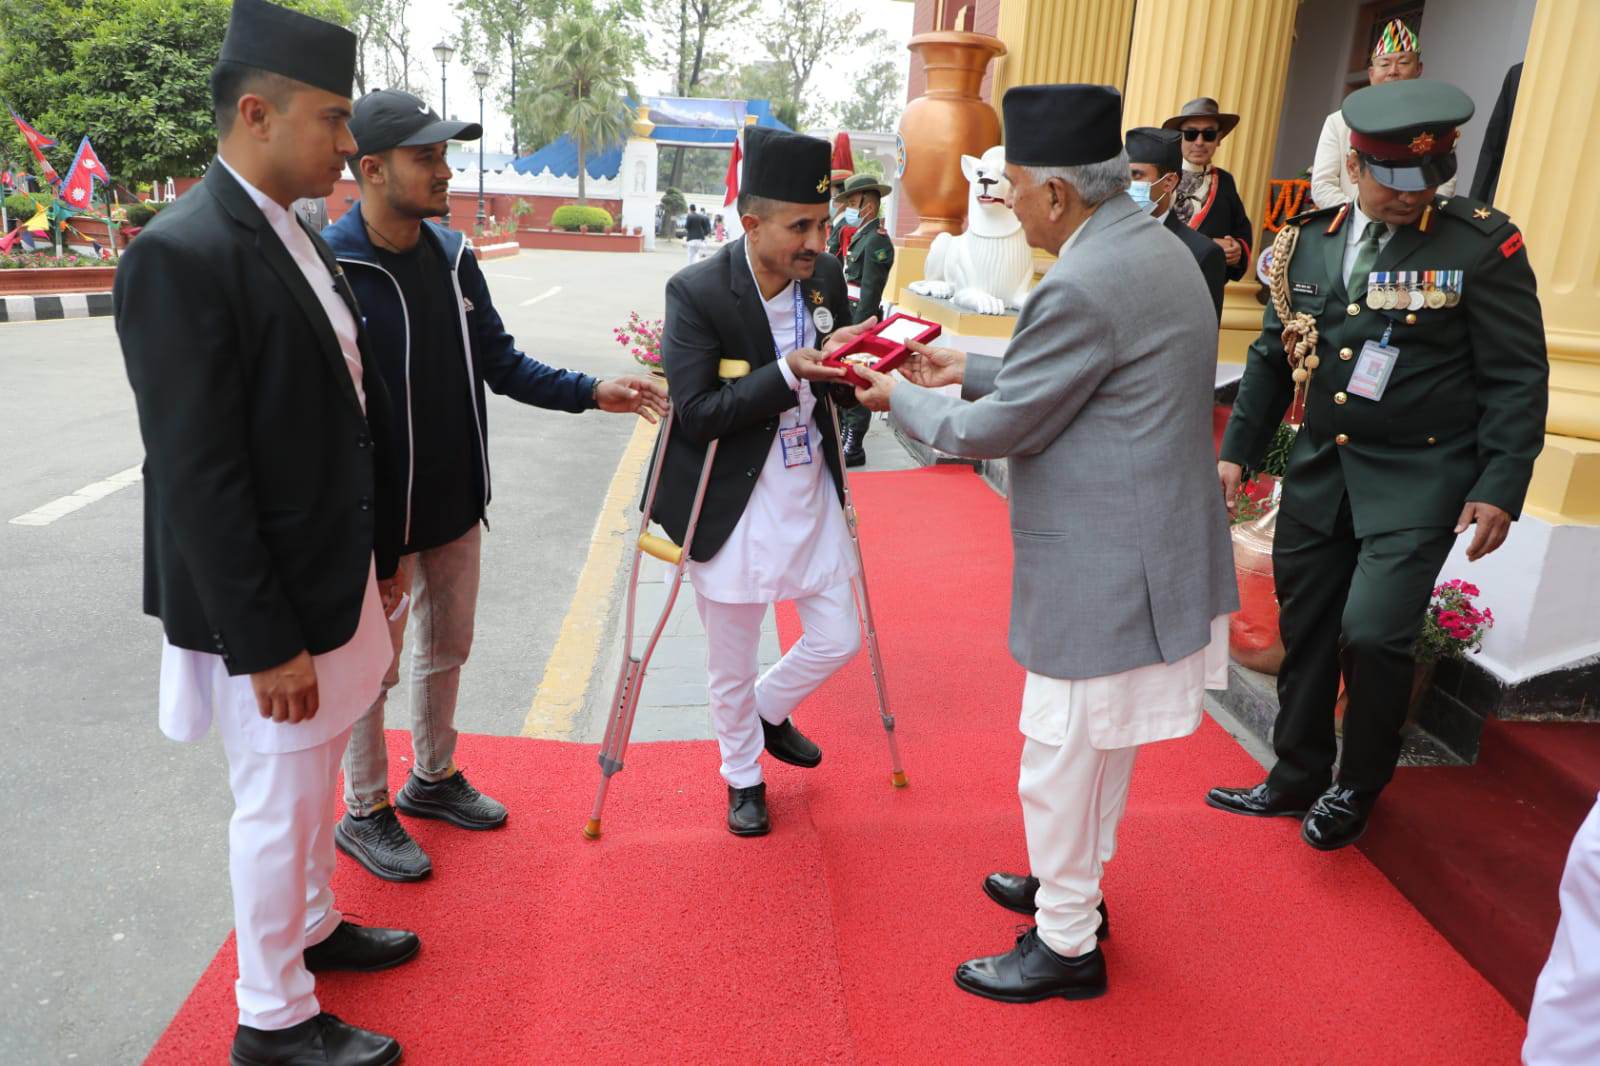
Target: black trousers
858	418
1350	604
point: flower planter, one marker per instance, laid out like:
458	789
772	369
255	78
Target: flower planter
563	240
44	281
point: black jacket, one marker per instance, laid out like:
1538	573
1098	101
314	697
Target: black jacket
1224	215
714	312
267	491
1208	253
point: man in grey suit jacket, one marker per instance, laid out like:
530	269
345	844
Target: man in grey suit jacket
1123	575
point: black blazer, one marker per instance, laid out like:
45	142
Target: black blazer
267	491
1224	216
1207	252
714	312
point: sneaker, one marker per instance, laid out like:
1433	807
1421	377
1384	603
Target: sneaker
452	800
381	844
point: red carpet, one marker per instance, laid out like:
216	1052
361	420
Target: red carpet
834	939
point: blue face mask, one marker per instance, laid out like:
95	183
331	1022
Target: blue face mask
852	216
1140	191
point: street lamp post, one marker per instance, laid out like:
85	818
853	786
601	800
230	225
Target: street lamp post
481	76
443	52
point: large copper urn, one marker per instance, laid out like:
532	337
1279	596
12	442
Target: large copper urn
947	121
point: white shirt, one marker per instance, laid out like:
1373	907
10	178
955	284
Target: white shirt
1355	228
196	687
1330	178
791	541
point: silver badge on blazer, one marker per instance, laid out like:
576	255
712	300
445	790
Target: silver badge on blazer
823	318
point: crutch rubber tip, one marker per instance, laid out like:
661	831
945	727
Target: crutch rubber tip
898	779
591	829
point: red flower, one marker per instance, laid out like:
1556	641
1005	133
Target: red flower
1469	589
1450	619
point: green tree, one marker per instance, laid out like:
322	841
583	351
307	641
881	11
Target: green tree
879	91
386	57
581	84
765	79
133	75
687	26
496	32
798	37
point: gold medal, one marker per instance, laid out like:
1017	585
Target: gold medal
1375	297
1434	298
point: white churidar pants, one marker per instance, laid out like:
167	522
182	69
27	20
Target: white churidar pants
1073	796
738	700
1564	1023
281	837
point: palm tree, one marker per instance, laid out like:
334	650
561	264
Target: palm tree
582	81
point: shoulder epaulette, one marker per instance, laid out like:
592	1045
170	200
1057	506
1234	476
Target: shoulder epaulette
1480	215
1306	216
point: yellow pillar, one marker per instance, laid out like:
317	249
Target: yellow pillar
1553	139
1050	41
1238	52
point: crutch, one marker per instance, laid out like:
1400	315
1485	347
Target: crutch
864	609
625	700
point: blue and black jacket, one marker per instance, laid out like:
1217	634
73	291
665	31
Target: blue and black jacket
492	354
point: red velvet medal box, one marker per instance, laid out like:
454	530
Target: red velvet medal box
887	341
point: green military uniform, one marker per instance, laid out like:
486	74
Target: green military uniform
866	270
1375	486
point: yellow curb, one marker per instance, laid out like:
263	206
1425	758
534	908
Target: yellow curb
560	696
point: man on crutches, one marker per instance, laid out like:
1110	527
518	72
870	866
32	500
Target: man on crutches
771	526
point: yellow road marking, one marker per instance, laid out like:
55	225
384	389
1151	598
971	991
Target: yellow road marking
559	699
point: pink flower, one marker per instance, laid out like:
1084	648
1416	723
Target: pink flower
1488	617
1470	589
1450	619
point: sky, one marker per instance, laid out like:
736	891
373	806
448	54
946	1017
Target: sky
432	20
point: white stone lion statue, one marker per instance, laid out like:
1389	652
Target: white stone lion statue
986	269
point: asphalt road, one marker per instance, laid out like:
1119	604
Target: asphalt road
113	887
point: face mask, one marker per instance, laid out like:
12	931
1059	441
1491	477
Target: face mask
852	216
1140	191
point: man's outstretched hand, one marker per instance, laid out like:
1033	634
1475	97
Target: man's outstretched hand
934	367
840	338
643	396
807	365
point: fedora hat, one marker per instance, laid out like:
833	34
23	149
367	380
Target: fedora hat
1203	107
865	183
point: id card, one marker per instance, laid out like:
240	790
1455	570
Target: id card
1371	375
796	445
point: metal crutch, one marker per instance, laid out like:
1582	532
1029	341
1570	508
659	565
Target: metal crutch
864	609
625	700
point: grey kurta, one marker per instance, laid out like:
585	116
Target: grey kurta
1102	402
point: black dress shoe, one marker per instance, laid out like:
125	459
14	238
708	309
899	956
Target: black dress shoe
1263	801
1030	972
1337	819
452	800
747	811
356	947
320	1041
854	453
787	744
1016	892
381	844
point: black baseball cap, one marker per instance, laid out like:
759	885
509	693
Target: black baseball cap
389	118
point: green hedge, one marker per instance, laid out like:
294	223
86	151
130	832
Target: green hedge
141	213
571	216
24	204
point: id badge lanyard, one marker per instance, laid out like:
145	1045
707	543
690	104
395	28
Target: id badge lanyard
795	437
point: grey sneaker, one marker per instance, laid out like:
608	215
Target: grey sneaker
453	800
381	844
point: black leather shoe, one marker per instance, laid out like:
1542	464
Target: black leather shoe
381	844
452	800
1337	819
359	948
320	1041
787	744
747	811
1016	892
1263	801
1030	972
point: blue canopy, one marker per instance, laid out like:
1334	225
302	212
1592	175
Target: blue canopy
715	124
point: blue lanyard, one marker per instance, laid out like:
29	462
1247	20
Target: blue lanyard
799	333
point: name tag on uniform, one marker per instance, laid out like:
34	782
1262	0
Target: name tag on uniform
796	442
1371	375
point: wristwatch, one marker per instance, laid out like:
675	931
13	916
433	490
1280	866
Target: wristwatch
594	394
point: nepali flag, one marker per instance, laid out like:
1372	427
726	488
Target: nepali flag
78	190
37	143
732	178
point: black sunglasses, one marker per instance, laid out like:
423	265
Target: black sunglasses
1209	133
